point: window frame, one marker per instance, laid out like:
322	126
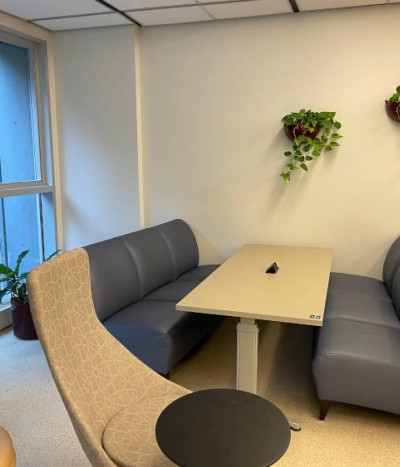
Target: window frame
42	184
17	29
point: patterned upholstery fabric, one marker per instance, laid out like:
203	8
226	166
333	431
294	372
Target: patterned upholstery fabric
95	375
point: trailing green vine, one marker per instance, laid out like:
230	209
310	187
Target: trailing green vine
312	134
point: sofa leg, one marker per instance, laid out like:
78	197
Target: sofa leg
323	409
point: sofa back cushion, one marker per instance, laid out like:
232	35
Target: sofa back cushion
181	244
396	292
152	258
114	278
391	264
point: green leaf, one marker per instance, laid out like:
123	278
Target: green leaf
304	167
5	270
309	158
300	139
328	148
287	153
291	166
334	143
316	153
336	136
324	114
337	125
21	256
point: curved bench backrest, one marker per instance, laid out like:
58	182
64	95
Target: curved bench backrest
96	375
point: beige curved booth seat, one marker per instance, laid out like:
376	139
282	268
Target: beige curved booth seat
7	453
112	398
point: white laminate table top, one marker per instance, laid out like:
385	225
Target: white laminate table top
241	287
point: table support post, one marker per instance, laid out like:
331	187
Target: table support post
247	355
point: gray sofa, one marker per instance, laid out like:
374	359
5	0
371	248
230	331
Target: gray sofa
137	279
357	352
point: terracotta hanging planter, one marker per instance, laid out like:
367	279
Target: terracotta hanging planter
293	131
393	110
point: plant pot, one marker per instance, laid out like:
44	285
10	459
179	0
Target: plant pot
393	110
293	131
22	321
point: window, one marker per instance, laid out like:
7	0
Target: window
26	191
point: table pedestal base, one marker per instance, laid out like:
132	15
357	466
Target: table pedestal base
247	355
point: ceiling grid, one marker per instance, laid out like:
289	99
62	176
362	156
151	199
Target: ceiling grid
75	14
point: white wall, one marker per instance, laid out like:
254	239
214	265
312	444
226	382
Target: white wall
95	77
213	97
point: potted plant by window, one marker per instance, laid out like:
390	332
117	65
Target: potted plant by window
13	283
311	133
393	105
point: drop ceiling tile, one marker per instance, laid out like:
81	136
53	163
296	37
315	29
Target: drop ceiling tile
248	8
218	1
170	15
30	9
78	22
305	5
135	4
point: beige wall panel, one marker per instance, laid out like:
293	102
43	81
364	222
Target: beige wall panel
213	97
95	78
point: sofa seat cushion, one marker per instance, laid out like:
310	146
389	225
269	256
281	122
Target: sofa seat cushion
367	286
358	363
198	273
361	307
129	437
172	292
158	334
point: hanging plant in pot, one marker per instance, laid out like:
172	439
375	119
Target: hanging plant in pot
13	283
312	133
393	105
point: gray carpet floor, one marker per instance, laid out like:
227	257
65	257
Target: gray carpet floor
32	411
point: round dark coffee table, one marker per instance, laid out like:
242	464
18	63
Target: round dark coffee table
222	427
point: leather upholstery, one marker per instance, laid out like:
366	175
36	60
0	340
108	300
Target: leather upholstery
172	292
181	244
391	264
135	291
199	273
359	363
357	353
151	257
396	292
158	334
115	280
